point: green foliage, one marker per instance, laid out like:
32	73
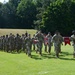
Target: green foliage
47	15
1	18
41	6
26	11
14	2
59	16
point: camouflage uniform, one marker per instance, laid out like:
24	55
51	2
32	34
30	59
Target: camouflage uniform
45	42
11	42
7	43
33	42
57	42
3	42
23	42
40	37
61	40
49	36
18	42
28	41
73	41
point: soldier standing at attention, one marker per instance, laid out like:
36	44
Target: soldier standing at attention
56	39
3	42
40	37
73	41
18	42
11	42
23	42
7	43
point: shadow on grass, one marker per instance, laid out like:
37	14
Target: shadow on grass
73	59
44	56
66	53
36	57
52	56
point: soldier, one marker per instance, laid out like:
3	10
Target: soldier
1	45
61	40
56	39
33	42
7	43
18	42
73	41
23	42
28	41
45	42
49	36
11	42
40	37
3	42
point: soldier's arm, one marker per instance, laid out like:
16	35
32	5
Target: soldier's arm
53	38
71	38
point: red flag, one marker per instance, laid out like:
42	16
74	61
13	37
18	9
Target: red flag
67	40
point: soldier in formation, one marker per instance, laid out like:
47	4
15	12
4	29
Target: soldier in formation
23	42
11	43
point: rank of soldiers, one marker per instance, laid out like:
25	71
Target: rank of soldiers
10	43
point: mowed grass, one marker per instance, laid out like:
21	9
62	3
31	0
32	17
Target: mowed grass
21	64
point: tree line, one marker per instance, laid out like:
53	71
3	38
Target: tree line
45	15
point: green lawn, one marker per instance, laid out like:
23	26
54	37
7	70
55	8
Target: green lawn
21	64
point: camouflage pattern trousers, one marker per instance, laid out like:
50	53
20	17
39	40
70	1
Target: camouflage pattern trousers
28	50
57	49
74	51
39	47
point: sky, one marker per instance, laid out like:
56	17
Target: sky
4	0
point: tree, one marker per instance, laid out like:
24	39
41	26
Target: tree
41	6
59	16
26	11
1	18
14	2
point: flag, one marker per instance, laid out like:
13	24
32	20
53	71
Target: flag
67	40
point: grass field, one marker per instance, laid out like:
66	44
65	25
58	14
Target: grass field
15	31
21	64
